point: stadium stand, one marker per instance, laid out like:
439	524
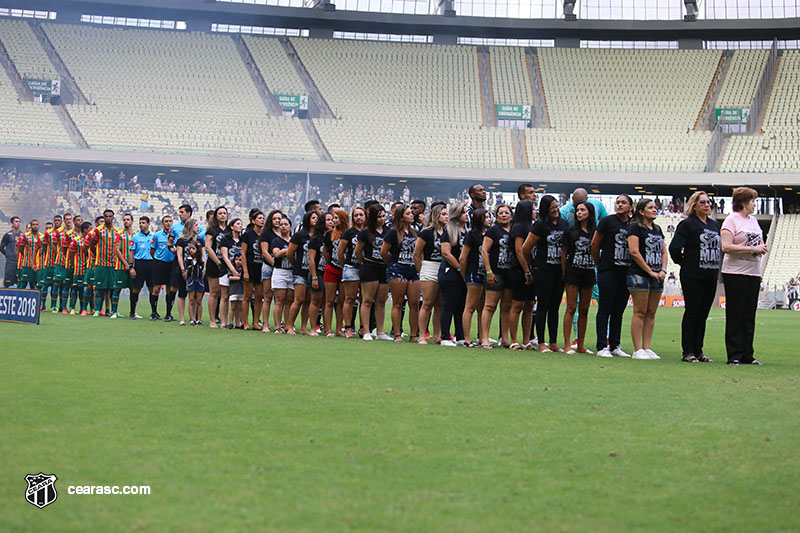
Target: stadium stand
275	66
171	92
423	104
777	147
510	80
25	51
623	110
784	257
744	73
28	123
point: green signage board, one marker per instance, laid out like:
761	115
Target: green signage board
513	112
44	87
292	101
733	115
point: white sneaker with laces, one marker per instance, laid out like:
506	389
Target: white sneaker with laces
604	353
460	343
136	316
384	337
652	354
113	316
640	354
367	337
619	352
448	343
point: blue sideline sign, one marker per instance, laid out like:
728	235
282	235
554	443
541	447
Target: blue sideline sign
20	306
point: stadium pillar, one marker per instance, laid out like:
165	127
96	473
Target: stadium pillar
690	44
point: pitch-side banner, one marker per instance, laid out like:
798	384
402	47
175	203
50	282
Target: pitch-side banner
19	305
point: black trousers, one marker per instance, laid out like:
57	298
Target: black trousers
741	301
612	287
698	297
454	298
549	291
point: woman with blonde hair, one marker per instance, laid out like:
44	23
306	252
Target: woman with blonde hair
454	291
743	244
428	258
696	248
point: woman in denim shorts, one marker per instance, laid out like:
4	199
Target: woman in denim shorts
350	271
497	258
645	275
298	257
270	231
281	280
471	260
398	253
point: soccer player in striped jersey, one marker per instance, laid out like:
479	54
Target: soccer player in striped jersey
106	240
122	262
29	248
45	279
62	276
79	260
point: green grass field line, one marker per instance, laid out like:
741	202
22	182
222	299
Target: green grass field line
236	430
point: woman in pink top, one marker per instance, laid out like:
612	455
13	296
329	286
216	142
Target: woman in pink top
743	245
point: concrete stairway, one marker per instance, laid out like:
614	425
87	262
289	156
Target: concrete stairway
488	110
23	93
69	125
318	106
70	92
708	115
519	149
540	114
270	102
316	140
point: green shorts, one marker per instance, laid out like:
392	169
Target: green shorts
60	273
123	279
77	281
26	275
45	276
105	278
88	278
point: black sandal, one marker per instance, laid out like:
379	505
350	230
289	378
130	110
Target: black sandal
735	362
703	358
472	344
689	358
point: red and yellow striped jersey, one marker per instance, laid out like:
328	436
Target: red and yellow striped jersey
31	256
80	254
66	243
126	242
48	248
61	248
106	239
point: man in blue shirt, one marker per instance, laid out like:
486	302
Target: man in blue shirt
162	269
580	195
142	266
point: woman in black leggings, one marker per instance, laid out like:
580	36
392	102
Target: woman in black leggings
547	235
454	291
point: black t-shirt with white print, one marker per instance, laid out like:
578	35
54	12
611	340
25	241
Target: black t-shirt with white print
401	252
301	239
702	248
500	252
548	248
579	249
614	252
332	247
281	244
433	245
651	246
372	248
351	237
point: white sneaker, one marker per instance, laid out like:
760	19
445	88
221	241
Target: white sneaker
640	354
384	337
460	343
367	337
652	354
604	353
113	316
492	341
619	353
135	316
448	343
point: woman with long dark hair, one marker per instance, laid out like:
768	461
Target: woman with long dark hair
428	259
613	258
547	235
374	285
474	274
450	281
252	267
269	232
333	273
215	268
646	275
298	258
521	274
316	267
187	237
497	251
397	252
696	247
351	279
281	274
578	266
230	247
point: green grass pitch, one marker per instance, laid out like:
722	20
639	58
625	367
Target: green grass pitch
256	431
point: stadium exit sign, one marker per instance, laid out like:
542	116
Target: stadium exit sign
733	115
518	112
292	101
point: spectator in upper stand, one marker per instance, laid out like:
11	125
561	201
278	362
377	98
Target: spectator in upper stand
157	184
580	195
98	179
121	180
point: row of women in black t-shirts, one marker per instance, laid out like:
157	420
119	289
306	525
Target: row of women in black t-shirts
463	262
